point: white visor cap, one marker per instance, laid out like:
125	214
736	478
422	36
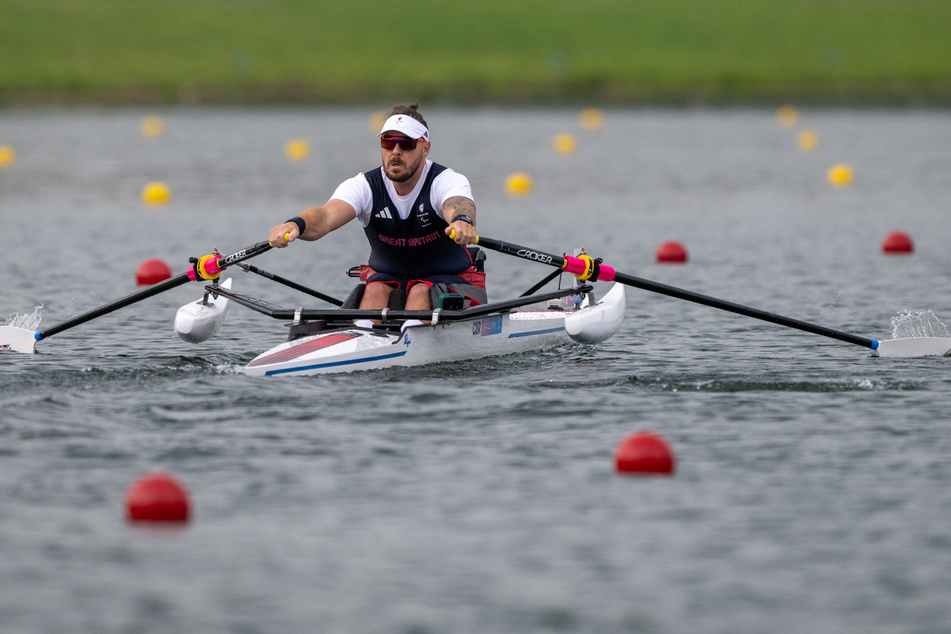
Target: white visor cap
407	125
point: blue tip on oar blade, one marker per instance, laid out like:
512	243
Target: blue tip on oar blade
874	344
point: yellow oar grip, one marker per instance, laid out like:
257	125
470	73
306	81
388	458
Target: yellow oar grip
452	234
286	236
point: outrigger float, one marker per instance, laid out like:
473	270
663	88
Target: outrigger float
327	340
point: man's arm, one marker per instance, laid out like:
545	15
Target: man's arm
318	222
460	206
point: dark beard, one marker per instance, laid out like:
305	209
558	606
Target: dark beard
410	172
401	179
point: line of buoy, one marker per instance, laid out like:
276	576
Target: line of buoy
840	175
155	193
520	183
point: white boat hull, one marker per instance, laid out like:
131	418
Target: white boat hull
353	349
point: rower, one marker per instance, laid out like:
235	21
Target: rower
408	208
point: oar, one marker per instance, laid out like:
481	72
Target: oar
206	268
386	314
584	268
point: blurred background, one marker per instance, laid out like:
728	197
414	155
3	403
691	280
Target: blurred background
531	51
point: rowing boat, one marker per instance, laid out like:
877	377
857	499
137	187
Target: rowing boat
451	336
322	341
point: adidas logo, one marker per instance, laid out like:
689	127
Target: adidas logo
384	213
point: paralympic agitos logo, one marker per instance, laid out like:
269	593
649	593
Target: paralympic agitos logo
535	255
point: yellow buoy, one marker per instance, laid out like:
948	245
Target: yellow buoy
518	184
591	118
807	140
840	175
153	127
564	143
7	156
377	119
297	149
156	194
787	116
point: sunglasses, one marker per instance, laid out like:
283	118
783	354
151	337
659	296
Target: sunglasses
406	144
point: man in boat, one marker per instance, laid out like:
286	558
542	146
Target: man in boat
408	208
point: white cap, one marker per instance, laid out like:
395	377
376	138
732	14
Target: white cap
406	125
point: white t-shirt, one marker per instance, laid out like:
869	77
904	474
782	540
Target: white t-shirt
356	191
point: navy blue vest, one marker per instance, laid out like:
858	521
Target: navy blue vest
414	248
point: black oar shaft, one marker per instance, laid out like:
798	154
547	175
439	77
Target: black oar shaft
343	314
151	291
747	311
608	274
523	252
291	284
155	289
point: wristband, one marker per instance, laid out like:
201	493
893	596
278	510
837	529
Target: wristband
297	220
464	218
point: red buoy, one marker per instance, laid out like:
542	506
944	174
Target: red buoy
898	242
157	497
671	251
644	453
151	272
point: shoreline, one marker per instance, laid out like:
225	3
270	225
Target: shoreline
282	94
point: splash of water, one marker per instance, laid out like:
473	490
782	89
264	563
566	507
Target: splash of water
917	324
30	321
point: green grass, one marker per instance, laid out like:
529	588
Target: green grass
507	51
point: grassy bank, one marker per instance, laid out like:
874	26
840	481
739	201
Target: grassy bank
507	51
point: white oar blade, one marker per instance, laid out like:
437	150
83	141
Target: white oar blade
915	347
17	339
200	320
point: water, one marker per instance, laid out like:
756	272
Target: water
917	324
812	484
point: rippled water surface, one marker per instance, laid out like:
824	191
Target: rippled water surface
813	483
